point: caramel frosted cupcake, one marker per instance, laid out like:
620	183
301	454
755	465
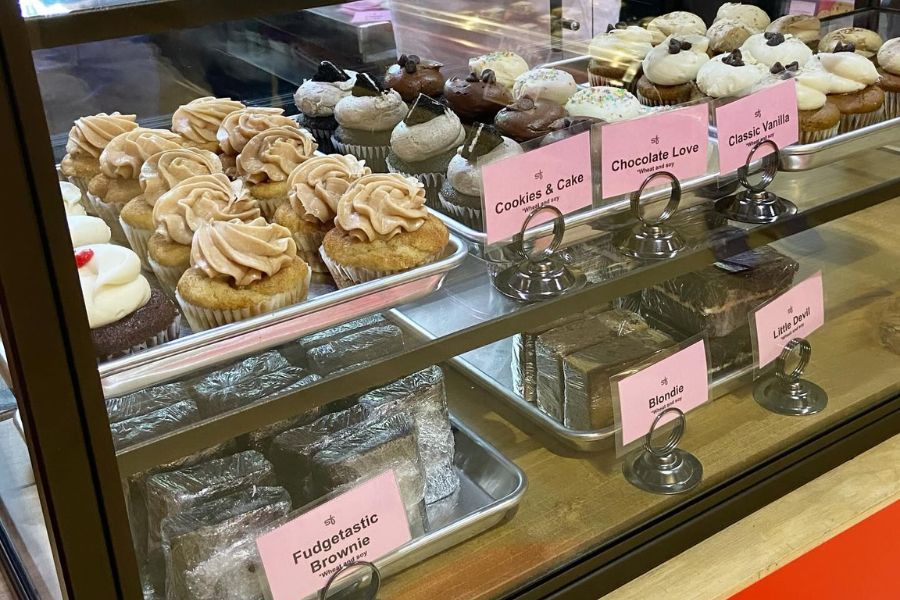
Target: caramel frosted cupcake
240	126
199	120
679	24
240	270
616	57
88	138
316	98
476	98
411	76
266	161
120	167
382	227
670	70
180	212
160	173
865	42
889	70
316	186
366	119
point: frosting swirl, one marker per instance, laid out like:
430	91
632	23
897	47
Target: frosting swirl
662	67
381	206
242	252
272	154
318	98
182	210
111	283
768	48
86	230
164	170
125	154
679	23
844	72
506	66
317	185
240	126
379	112
90	135
71	197
198	121
464	171
889	56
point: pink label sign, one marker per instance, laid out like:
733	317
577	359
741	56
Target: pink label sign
802	7
675	141
679	380
364	523
370	16
769	114
558	174
796	313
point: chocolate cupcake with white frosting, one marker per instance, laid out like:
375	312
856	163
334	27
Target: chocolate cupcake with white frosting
851	87
670	70
316	98
412	75
819	119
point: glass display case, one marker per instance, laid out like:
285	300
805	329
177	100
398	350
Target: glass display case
436	299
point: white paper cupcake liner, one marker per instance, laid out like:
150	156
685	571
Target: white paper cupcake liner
470	217
811	137
139	240
201	319
891	105
109	212
432	182
167	276
852	122
346	276
166	335
375	156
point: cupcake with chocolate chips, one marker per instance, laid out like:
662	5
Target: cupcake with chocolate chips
366	119
316	98
528	119
616	56
670	70
769	48
852	88
729	76
865	41
423	144
411	76
476	98
819	119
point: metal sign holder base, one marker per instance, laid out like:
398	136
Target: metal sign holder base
786	393
666	470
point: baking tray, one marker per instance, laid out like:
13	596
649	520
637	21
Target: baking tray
331	307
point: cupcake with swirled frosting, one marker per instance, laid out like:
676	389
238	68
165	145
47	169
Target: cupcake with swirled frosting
423	144
851	86
239	270
616	57
239	127
316	186
889	70
266	161
199	120
160	173
316	98
88	138
381	228
818	118
670	70
180	212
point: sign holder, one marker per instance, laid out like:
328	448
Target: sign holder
651	239
371	589
755	204
786	393
666	469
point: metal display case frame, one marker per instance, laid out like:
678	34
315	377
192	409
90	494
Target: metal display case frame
78	472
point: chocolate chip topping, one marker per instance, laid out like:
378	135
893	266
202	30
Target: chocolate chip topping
523	103
409	63
366	86
844	47
734	58
788	69
480	140
773	38
488	76
328	73
676	46
425	109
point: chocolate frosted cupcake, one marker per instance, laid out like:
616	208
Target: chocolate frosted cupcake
240	126
476	98
199	120
87	140
412	76
180	212
769	48
316	98
382	227
125	314
266	161
460	195
366	119
616	57
160	173
670	70
240	270
528	119
423	144
316	186
889	70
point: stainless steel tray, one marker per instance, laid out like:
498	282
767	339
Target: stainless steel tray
803	157
208	348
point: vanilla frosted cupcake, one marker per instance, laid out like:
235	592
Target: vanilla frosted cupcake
87	140
726	35
670	70
180	212
240	126
73	199
240	270
769	48
805	28
729	76
199	120
423	144
316	186
505	65
160	173
616	57
382	227
545	84
679	24
266	161
889	70
603	103
819	119
316	98
85	230
851	80
865	42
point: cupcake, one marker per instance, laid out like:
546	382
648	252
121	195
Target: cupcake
851	88
87	140
85	230
528	119
679	24
160	173
616	57
266	161
73	199
240	270
729	76
315	187
382	227
889	70
506	66
476	99
726	35
750	15
411	76
198	121
805	28
865	41
604	103
366	119
554	85
180	212
423	144
670	69
819	119
125	314
316	98
460	195
120	166
238	127
769	48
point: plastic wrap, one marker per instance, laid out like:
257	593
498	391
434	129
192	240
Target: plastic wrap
588	398
889	329
296	353
173	492
261	439
554	345
717	299
231	573
422	396
145	401
249	380
203	533
355	348
150	425
726	354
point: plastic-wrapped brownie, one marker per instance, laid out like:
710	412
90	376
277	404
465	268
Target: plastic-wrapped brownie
211	530
355	348
153	424
423	397
145	401
296	353
232	573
